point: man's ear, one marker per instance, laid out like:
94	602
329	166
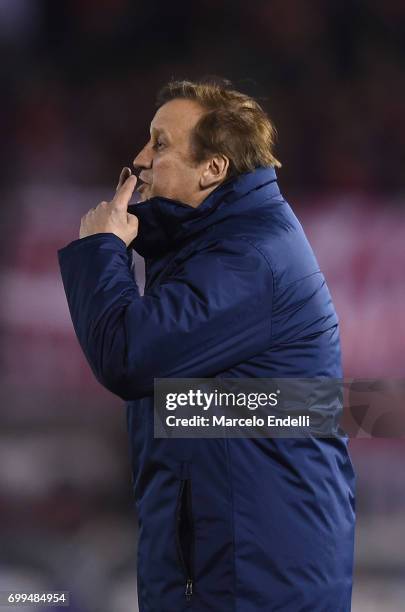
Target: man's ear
214	172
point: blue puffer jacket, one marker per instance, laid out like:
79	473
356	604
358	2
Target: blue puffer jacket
233	289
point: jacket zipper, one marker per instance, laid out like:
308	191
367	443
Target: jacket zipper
189	589
185	535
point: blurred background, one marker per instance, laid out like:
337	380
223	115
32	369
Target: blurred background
78	83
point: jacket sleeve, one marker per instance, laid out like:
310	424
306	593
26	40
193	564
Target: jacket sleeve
212	313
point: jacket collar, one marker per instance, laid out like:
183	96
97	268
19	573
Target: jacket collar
163	222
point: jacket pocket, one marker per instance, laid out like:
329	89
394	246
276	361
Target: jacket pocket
185	535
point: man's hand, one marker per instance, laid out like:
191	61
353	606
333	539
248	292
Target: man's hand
113	216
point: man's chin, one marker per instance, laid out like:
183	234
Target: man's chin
141	198
144	194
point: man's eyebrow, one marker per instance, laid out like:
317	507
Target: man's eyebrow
158	130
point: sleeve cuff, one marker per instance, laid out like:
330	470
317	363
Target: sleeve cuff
104	237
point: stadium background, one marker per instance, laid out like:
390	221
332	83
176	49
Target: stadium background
78	84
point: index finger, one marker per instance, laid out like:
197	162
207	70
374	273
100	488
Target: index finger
124	192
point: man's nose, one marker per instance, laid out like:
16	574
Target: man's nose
144	158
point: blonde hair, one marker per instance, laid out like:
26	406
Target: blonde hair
234	124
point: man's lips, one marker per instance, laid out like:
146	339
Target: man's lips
141	182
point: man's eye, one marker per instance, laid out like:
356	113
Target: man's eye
158	145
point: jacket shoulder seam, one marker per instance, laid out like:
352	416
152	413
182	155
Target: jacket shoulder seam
258	249
252	244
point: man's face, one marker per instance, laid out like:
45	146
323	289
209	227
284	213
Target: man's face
166	163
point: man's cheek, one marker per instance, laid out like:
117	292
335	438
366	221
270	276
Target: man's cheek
158	187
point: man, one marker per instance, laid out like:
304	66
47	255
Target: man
233	289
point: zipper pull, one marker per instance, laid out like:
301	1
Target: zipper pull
189	588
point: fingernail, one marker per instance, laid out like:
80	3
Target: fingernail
125	173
